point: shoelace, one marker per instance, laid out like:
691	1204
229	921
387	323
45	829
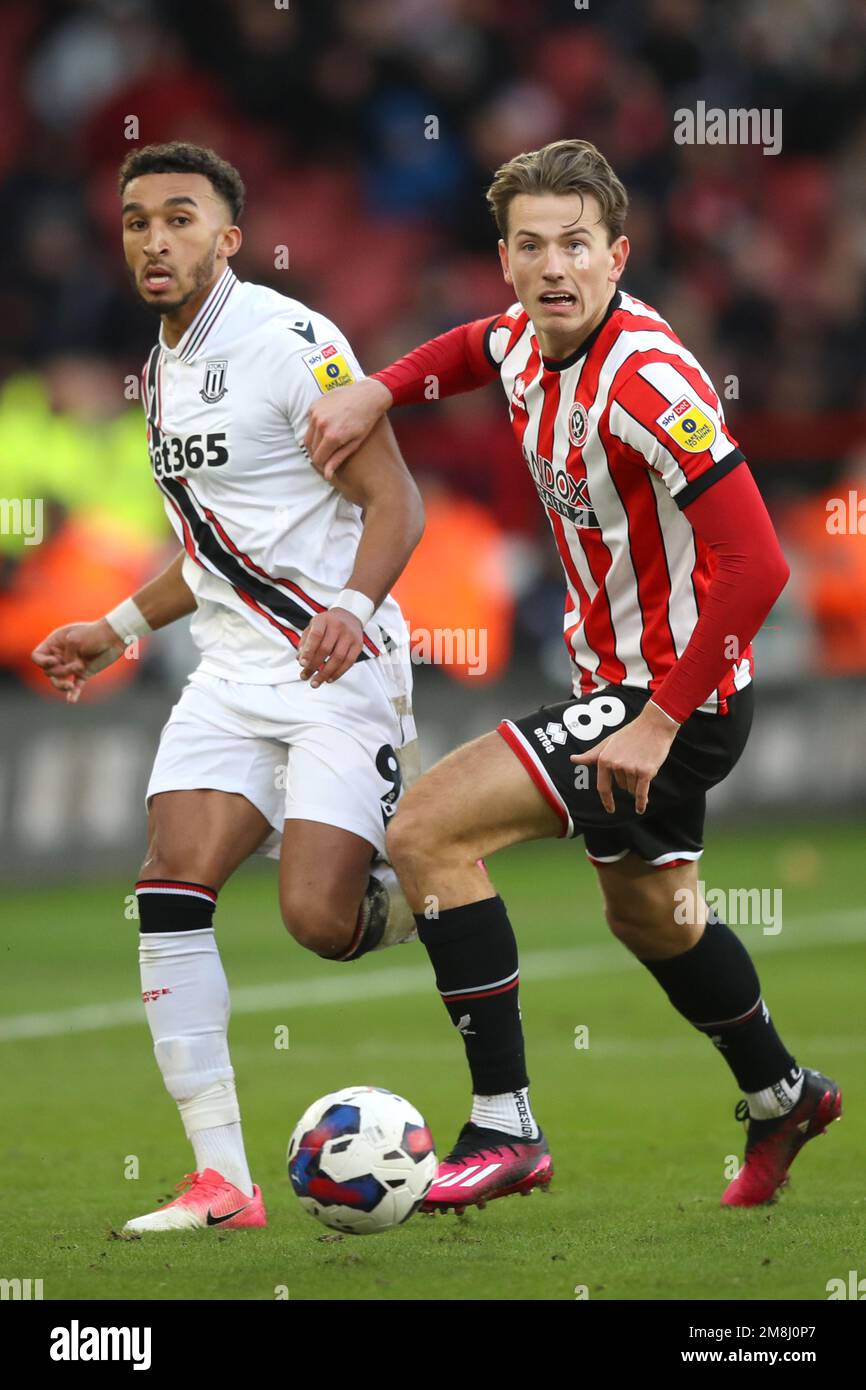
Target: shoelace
467	1147
189	1181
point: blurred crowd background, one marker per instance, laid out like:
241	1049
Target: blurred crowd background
328	110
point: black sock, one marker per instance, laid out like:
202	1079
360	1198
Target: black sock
474	956
715	986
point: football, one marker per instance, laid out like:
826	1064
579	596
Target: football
361	1160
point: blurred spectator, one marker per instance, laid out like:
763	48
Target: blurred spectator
366	131
827	532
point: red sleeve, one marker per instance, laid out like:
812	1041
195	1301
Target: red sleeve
672	419
751	572
458	360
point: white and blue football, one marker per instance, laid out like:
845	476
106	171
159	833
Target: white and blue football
361	1160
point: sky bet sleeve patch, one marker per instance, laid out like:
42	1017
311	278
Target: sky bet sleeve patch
329	366
688	425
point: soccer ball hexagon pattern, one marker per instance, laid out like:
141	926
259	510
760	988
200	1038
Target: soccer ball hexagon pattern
361	1160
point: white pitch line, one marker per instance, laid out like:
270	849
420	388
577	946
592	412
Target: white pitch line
829	929
607	1048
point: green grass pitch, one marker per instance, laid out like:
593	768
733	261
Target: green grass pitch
640	1121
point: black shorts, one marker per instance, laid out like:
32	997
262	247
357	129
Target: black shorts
671	830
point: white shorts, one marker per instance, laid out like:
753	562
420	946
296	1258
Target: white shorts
335	755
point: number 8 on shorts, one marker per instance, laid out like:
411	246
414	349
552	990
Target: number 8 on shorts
588	721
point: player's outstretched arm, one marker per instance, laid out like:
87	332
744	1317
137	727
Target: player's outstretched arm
377	480
71	654
454	362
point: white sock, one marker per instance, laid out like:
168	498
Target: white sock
510	1112
187	1004
222	1148
775	1100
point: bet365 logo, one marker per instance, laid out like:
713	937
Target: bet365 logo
169	453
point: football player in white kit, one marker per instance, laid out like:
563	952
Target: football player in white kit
291	736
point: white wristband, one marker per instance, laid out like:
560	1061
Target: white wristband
357	603
128	620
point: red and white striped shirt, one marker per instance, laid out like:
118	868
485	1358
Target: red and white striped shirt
618	438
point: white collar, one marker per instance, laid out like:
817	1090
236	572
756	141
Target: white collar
196	335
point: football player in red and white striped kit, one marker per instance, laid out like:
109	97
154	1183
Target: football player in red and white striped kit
671	565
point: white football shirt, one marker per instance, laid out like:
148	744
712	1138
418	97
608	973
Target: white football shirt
268	542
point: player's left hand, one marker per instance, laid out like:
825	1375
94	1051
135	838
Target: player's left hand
330	644
631	757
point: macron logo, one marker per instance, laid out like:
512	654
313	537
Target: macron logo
77	1343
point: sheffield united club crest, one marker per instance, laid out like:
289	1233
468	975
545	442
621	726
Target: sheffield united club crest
214	382
578	424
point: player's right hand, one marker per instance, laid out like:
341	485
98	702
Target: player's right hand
70	655
330	644
341	421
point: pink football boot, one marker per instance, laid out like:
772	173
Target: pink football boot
209	1201
485	1164
772	1145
